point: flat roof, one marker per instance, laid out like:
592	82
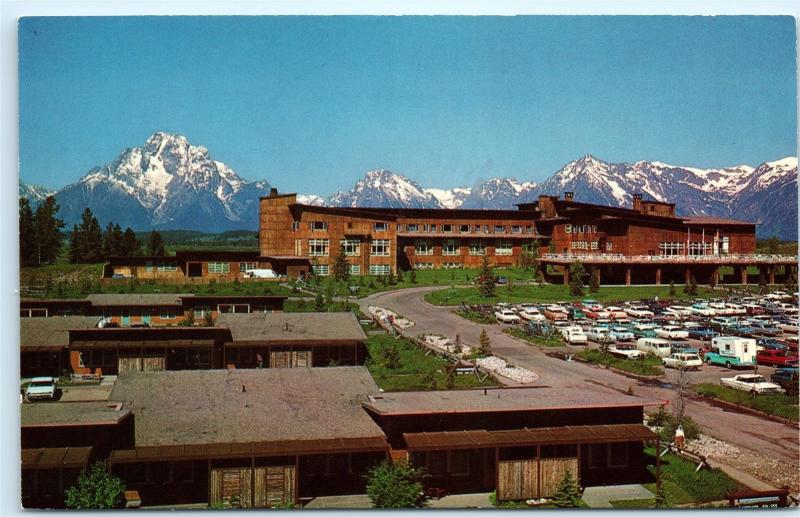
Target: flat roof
121	300
563	435
502	399
55	458
66	414
698	220
228	408
290	327
50	334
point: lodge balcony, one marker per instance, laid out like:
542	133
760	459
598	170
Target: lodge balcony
754	259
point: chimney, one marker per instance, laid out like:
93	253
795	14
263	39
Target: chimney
273	192
568	196
637	202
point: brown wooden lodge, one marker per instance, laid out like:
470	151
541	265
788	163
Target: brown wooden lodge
271	437
648	243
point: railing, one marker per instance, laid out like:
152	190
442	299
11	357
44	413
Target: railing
733	258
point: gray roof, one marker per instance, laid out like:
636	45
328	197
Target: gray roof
51	333
111	300
293	326
209	406
58	414
502	399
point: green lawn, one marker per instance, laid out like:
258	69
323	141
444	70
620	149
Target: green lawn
535	340
550	293
649	366
683	485
634	503
778	404
477	317
417	370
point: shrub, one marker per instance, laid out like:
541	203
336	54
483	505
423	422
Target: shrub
391	357
394	485
576	274
567	493
484	344
95	489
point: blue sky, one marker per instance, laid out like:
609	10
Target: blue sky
311	103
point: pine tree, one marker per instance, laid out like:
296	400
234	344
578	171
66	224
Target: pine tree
27	244
319	302
74	254
487	283
89	241
341	266
413	276
576	274
130	246
661	497
155	245
594	281
47	231
484	344
567	493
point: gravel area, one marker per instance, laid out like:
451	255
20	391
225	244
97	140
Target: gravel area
444	344
773	471
499	366
387	315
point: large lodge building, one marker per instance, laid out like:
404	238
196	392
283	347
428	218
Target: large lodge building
646	244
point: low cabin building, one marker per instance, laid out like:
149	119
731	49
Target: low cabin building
43	344
204	266
519	442
112	351
249	438
291	340
156	309
61	440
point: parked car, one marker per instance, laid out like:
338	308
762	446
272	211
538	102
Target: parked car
683	360
506	316
765	329
702	309
574	335
684	348
770	343
653	345
622	334
625	350
672	332
41	388
531	314
600	335
786	378
702	333
752	383
776	358
639	311
574	313
732	352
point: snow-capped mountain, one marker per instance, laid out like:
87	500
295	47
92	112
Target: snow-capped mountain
384	189
33	193
166	183
450	198
310	199
499	193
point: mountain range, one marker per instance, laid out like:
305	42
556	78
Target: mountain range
169	183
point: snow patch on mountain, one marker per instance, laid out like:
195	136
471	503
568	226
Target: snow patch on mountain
450	198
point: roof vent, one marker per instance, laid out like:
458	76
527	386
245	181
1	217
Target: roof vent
273	192
244	388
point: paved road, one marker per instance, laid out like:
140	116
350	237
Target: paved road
767	437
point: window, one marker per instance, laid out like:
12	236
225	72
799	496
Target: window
433	228
617	455
352	248
726	243
320	269
477	228
319	225
671	248
580	245
485	228
318	247
167	313
379	248
423	265
504	248
219	267
609	246
380	227
451	247
516	229
499	229
594	245
244	267
295	226
380	269
477	248
355	269
166	267
464	228
298	247
529	229
148	266
201	310
451	265
412	228
447	228
423	248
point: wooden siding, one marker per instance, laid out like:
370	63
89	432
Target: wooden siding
517	480
552	471
262	487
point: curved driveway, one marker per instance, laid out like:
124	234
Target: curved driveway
777	440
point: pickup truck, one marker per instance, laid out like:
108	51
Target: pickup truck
776	358
506	316
672	332
626	351
683	360
41	388
732	352
752	383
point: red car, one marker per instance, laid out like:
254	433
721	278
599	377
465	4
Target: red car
776	358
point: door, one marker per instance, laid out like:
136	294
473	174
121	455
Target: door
231	487
195	269
301	358
279	359
517	480
129	364
274	486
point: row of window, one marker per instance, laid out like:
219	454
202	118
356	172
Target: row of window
160	266
432	228
321	247
695	248
585	245
355	269
452	247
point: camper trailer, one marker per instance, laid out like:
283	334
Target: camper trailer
732	352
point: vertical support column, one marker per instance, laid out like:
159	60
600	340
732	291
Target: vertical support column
687	275
296	479
496	470
253	481
597	274
628	275
566	275
743	275
658	276
539	471
714	276
771	274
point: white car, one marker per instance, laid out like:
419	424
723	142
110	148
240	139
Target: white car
532	314
702	309
672	332
627	351
506	316
639	311
752	383
684	361
600	335
41	388
617	313
678	310
575	337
